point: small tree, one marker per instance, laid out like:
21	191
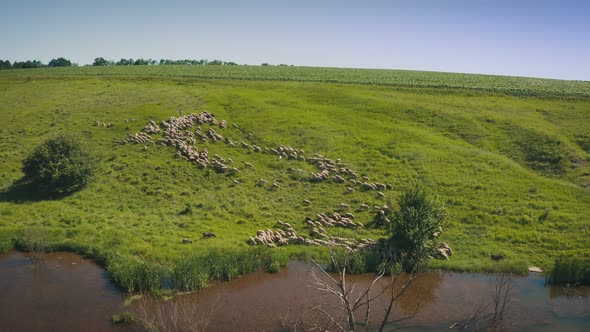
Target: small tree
59	62
5	64
413	224
101	62
355	311
61	164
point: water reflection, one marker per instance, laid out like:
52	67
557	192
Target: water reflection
424	292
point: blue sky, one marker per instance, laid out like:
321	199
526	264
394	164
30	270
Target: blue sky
523	38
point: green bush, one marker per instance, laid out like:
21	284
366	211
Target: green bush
61	164
412	225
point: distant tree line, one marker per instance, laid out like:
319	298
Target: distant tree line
139	62
63	62
59	62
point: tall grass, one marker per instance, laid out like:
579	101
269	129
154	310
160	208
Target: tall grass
135	275
570	269
6	242
194	271
191	272
356	262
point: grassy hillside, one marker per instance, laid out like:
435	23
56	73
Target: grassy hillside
512	171
518	86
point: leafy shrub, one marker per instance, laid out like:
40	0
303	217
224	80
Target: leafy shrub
61	164
413	223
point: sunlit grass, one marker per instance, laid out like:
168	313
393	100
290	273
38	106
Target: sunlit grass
489	157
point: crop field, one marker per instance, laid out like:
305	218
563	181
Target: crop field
508	157
401	78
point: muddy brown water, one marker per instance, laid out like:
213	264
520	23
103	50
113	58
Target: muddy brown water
64	292
61	292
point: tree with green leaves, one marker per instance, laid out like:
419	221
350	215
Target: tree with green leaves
61	164
59	62
413	224
103	62
5	64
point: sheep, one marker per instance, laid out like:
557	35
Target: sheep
349	215
344	206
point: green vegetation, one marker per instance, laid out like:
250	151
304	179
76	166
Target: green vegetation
511	170
570	269
517	86
413	223
191	272
123	318
62	164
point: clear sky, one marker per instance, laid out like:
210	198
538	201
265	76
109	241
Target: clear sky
507	37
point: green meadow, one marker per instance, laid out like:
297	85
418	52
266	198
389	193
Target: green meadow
508	157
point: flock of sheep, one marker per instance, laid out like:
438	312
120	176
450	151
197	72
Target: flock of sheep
179	132
285	234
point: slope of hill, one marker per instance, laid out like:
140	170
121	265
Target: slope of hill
512	170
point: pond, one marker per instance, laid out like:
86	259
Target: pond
64	292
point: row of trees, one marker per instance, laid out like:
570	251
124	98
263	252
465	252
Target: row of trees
63	62
59	62
142	62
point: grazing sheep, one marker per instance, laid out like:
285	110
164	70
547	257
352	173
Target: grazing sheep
208	235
